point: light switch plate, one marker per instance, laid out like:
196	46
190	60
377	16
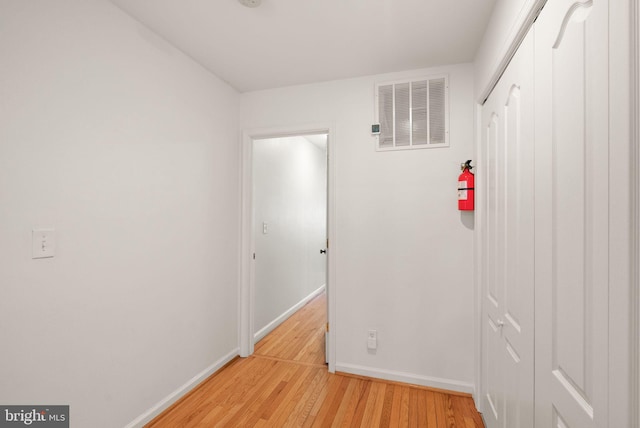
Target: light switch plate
43	243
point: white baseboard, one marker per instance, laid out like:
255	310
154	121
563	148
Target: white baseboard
415	379
282	318
166	402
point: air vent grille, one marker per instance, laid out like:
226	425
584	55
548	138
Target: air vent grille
413	113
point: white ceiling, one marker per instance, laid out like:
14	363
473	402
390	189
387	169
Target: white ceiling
288	42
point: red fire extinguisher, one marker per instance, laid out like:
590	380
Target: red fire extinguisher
466	183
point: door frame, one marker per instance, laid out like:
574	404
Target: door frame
246	292
635	207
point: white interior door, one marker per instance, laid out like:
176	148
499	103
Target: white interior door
507	156
572	203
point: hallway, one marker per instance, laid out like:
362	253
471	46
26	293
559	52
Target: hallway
286	384
301	337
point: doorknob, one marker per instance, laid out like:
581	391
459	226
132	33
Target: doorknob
323	251
500	323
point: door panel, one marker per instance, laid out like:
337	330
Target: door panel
507	160
492	332
572	214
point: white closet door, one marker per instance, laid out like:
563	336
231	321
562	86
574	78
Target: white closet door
506	174
571	214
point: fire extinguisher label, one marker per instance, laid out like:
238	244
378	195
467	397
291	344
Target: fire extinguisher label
462	190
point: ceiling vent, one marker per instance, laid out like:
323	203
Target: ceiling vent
413	114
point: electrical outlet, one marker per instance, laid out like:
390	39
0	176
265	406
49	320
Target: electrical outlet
372	339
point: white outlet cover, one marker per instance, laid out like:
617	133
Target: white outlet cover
43	243
372	343
372	340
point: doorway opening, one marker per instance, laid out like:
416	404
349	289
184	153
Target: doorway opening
289	236
286	228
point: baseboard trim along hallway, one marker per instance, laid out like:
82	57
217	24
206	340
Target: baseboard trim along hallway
182	392
444	385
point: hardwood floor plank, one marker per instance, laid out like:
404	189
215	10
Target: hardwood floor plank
255	398
275	401
422	408
441	414
344	403
286	384
287	406
394	417
373	409
323	397
413	408
328	412
459	409
404	407
451	414
300	412
387	405
469	422
432	420
361	406
473	413
352	403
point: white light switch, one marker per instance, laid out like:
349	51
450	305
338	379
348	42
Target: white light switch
265	228
43	243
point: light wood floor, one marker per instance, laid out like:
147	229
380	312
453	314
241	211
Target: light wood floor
286	384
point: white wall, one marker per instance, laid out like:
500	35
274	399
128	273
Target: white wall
290	195
129	150
403	251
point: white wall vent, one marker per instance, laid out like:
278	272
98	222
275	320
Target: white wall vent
413	114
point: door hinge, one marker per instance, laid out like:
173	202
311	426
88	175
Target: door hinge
327	242
254	256
327	327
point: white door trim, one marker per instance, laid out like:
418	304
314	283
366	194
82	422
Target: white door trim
635	209
246	285
478	266
624	155
528	14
